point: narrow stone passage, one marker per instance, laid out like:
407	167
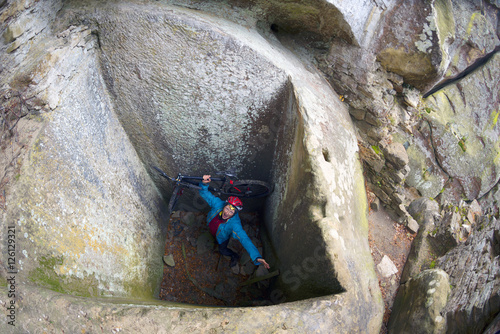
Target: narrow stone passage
200	275
392	241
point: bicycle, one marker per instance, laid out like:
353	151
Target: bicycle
228	186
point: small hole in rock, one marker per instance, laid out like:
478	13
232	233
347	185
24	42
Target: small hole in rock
326	155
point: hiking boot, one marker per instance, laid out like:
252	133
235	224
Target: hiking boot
234	260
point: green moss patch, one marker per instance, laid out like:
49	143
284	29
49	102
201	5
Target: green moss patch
46	276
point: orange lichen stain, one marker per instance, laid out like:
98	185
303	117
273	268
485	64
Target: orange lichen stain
76	241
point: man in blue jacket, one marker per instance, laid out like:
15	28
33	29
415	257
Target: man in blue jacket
224	222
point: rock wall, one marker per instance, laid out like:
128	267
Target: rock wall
188	92
86	215
461	244
474	268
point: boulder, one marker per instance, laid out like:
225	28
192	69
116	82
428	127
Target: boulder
441	39
425	212
386	267
473	269
396	154
415	41
419	303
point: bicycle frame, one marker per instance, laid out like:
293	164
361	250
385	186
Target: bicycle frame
239	188
182	181
187	181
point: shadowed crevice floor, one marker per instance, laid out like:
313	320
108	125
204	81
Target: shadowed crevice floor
388	238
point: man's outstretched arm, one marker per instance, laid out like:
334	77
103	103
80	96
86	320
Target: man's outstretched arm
242	237
207	195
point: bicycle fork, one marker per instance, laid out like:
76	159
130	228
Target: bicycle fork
178	190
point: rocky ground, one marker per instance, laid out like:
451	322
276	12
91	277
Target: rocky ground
195	272
390	244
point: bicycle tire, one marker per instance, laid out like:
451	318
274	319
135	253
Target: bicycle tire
173	199
248	189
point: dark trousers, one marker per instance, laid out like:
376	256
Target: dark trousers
226	251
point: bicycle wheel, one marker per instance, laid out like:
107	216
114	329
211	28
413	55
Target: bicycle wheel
248	189
173	200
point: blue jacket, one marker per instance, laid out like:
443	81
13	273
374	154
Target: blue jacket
230	228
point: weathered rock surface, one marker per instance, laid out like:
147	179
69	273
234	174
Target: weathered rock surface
474	270
465	246
426	213
426	42
465	132
427	175
425	45
387	109
420	302
81	180
415	40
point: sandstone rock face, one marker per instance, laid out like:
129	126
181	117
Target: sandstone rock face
191	93
425	46
81	180
446	146
415	40
476	35
427	175
464	244
435	130
474	267
419	303
465	132
425	43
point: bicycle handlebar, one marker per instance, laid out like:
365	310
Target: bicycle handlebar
185	179
162	173
244	188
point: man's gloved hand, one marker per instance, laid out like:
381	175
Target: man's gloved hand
206	179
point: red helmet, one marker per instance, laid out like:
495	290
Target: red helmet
236	202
